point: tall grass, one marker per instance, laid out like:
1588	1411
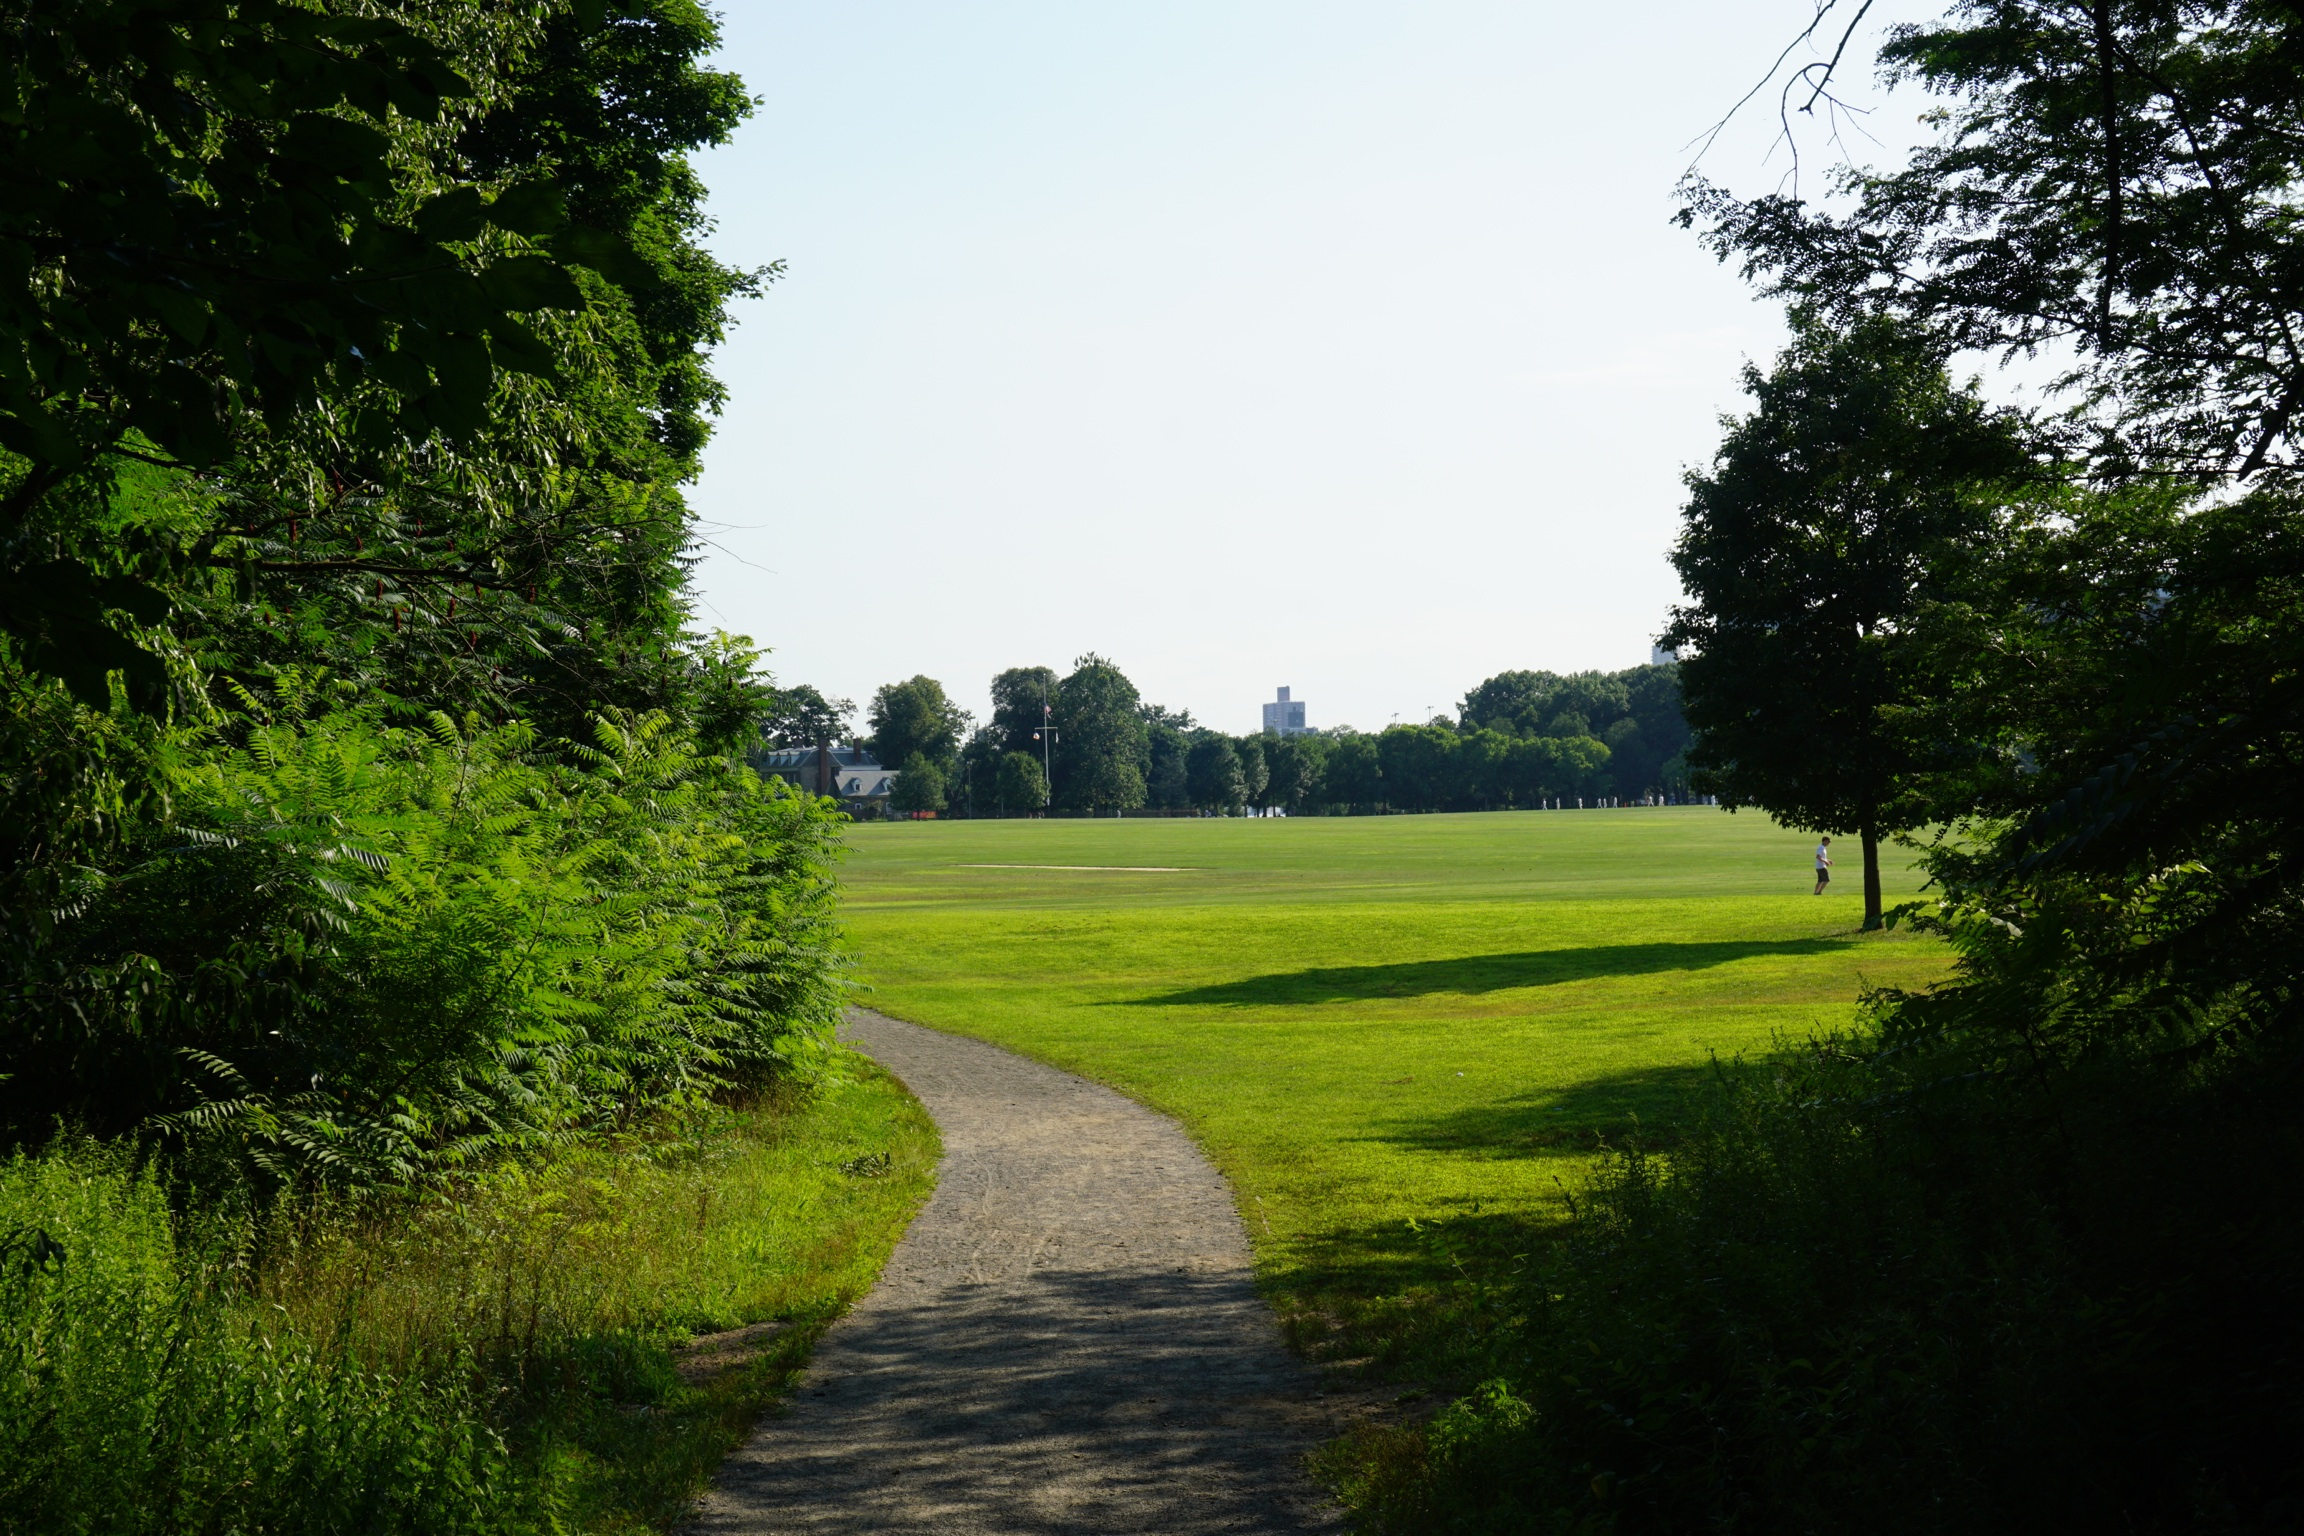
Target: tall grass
501	1360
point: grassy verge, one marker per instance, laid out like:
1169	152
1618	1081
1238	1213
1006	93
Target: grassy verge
1401	1038
516	1358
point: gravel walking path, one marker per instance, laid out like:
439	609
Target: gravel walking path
1066	1340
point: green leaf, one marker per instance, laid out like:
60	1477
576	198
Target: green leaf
451	216
532	208
351	150
184	313
518	350
32	432
144	603
465	372
531	282
401	369
610	255
55	612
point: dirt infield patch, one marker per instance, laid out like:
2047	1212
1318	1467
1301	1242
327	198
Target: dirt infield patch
1067	1340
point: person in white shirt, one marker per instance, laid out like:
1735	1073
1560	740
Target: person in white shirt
1823	865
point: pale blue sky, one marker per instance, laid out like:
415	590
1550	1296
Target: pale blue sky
1341	345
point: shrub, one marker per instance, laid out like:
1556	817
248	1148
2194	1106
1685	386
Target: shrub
362	954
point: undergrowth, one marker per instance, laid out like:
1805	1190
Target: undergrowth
1867	1292
500	1358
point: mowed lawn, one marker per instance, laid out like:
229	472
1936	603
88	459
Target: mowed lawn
1400	1037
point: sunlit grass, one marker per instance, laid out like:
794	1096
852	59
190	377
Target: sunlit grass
507	1357
1374	1022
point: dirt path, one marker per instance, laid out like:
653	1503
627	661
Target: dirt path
1066	1340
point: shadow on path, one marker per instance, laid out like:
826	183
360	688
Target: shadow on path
1479	973
1064	1402
1068	1339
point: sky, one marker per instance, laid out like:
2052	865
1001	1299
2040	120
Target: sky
1339	345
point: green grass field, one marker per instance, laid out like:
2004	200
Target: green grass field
1400	1037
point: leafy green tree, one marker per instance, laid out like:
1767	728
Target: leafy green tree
525	559
1021	700
1643	763
1212	773
800	716
202	234
1586	704
611	101
1419	763
975	784
1353	777
919	786
1100	747
1635	714
2113	180
1512	702
1255	770
1294	764
914	717
1837	515
1023	787
1174	719
1483	770
1167	781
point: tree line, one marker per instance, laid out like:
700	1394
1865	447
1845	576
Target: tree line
1087	742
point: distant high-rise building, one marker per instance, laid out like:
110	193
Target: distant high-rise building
1658	655
1285	716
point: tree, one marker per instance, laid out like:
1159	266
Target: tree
1020	697
978	774
1294	763
1513	702
1255	771
912	717
1419	764
1022	786
1167	783
1174	719
521	551
1645	763
2117	179
1834	519
1212	773
1483	770
1352	777
919	786
799	716
1100	748
215	215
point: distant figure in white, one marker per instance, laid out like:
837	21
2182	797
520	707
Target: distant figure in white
1823	865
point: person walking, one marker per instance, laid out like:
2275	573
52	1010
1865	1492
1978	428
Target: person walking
1823	865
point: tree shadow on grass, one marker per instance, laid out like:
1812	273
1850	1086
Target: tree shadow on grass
1434	1298
1478	973
1644	1106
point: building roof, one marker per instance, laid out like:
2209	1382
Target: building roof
781	759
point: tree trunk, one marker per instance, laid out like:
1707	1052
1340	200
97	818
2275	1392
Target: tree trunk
1871	879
